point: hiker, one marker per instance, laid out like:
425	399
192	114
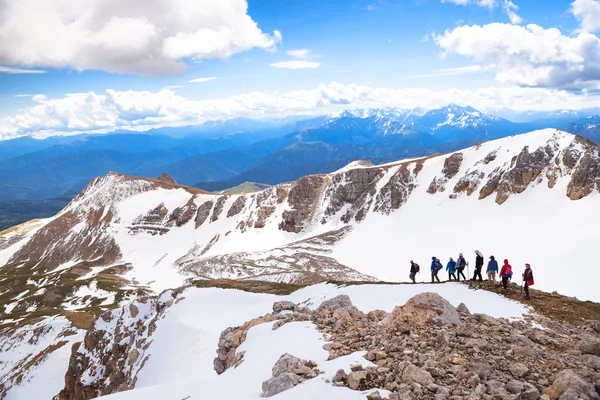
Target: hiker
527	280
434	269
414	270
478	266
451	268
461	263
506	274
492	269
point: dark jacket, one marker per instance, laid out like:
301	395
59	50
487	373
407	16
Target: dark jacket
461	263
479	262
492	265
414	268
528	277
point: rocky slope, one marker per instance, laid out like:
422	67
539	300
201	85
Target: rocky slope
124	236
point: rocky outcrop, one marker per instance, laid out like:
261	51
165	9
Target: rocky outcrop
182	215
237	206
303	200
166	178
114	349
397	190
355	188
469	183
288	372
218	208
586	169
203	213
451	167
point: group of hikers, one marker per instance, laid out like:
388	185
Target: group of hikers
456	269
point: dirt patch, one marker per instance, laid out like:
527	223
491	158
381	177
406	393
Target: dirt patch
279	289
81	320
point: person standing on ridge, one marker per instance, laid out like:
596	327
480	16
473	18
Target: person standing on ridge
527	280
451	268
461	263
492	269
478	266
506	274
414	270
434	270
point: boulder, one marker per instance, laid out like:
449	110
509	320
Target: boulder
591	347
519	370
431	307
568	380
280	383
287	363
414	374
356	380
280	306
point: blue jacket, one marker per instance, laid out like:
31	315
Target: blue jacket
433	265
451	266
492	265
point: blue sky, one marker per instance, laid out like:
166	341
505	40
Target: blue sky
383	44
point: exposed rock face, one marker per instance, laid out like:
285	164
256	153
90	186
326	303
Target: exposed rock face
166	178
356	188
396	192
303	200
114	349
218	208
584	178
469	182
203	213
237	206
288	372
182	215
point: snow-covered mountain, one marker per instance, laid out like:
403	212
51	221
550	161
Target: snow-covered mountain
136	251
365	223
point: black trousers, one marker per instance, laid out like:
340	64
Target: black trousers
412	276
461	273
451	275
526	289
505	282
434	275
478	274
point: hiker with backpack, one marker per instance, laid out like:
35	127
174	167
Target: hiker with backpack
527	280
478	266
506	274
492	269
461	263
414	270
435	267
451	268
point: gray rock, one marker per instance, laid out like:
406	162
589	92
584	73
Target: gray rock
280	306
530	393
462	308
519	370
280	383
568	381
374	396
414	374
596	326
590	348
341	301
591	361
287	363
356	380
514	386
425	303
340	376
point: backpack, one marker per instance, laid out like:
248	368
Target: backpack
463	262
417	268
508	271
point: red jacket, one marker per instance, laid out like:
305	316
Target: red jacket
506	269
528	277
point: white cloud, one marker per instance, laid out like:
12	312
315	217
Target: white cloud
202	80
110	110
11	70
23	95
448	72
528	55
300	53
588	13
296	64
510	9
133	36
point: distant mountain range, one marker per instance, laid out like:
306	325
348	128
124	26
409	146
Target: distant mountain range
222	154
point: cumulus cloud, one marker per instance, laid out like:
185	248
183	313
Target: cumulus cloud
132	36
588	14
202	80
300	53
528	55
141	110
